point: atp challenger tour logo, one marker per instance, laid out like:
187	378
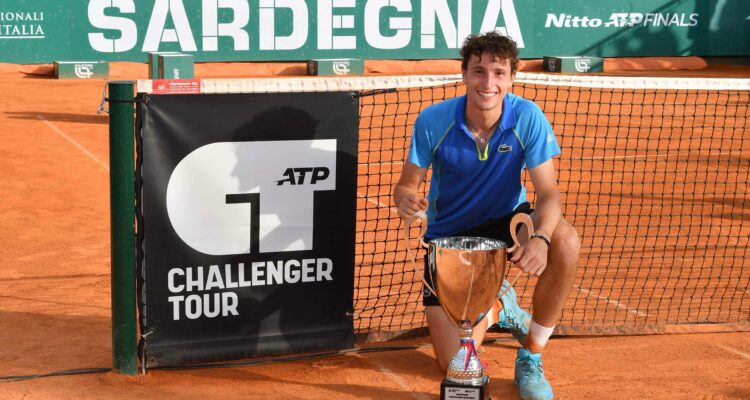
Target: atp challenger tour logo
232	198
250	197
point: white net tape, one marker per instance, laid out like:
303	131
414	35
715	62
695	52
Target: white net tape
321	84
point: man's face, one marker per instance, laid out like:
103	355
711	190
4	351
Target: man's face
487	81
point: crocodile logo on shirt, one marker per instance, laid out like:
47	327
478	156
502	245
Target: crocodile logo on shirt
504	148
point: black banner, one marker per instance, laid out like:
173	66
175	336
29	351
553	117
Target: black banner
247	206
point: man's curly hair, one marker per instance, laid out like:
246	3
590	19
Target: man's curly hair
498	46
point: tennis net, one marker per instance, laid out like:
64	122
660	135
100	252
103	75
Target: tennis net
653	172
654	175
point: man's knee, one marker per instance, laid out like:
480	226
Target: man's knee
444	335
566	244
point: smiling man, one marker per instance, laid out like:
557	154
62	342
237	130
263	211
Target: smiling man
478	145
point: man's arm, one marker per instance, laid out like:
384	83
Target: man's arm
548	208
532	256
406	191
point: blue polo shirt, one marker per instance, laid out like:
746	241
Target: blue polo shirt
468	186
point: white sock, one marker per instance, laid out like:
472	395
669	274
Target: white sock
538	335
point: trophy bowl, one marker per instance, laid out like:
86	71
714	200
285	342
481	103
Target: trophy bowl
467	273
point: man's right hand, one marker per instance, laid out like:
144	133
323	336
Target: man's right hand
410	204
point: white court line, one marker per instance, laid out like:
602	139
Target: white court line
613	302
396	378
377	203
647	156
76	144
735	351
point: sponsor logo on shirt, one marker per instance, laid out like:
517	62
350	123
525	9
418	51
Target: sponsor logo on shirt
504	148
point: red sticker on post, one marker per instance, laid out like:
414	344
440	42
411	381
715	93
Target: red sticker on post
176	86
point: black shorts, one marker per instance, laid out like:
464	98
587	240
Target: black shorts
493	229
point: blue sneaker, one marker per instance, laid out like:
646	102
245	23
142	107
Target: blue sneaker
512	316
530	380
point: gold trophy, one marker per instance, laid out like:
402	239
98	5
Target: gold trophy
467	273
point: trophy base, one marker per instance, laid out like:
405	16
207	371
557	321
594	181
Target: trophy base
457	391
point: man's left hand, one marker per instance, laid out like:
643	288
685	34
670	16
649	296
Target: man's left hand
531	257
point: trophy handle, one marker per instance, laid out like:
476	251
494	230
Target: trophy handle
422	216
427	285
412	257
519	218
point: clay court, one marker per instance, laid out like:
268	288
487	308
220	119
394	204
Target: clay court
55	297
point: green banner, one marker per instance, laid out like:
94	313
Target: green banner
32	31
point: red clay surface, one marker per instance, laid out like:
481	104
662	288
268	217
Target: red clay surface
55	297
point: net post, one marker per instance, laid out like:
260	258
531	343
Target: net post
122	225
